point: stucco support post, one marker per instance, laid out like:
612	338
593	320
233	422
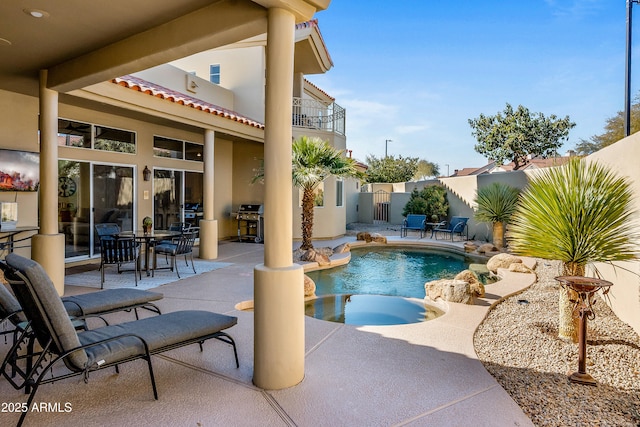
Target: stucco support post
278	283
47	247
208	226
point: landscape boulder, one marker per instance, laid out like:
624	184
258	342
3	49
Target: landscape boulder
309	286
487	247
502	260
378	238
364	235
476	287
449	290
341	249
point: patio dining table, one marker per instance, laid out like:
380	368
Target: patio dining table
148	239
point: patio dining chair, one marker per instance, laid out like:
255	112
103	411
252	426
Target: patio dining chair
118	251
181	245
83	352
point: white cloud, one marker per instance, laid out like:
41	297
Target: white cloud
407	129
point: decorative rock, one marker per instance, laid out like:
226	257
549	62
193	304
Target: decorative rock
477	288
520	268
309	286
449	290
363	235
378	238
487	247
470	247
502	261
311	255
341	249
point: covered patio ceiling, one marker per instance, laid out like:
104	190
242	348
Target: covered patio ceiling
84	42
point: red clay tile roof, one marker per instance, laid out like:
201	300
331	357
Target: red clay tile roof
319	90
314	23
161	92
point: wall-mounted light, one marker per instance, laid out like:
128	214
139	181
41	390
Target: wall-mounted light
146	174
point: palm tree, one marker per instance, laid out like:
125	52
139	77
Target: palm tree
313	161
496	203
579	213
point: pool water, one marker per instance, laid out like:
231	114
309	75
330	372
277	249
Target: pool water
389	271
375	287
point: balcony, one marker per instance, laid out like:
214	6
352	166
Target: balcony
318	115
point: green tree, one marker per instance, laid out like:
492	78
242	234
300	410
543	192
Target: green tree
513	135
430	201
426	169
613	131
390	169
313	160
579	213
495	204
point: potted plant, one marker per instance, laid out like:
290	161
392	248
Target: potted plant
147	223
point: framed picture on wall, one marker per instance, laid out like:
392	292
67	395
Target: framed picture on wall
19	170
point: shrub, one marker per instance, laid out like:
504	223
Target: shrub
430	201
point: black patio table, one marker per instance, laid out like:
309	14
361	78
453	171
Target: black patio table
149	239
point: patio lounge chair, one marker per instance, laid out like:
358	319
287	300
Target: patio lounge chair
85	351
413	222
457	225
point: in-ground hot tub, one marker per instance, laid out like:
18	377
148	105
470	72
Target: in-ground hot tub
383	285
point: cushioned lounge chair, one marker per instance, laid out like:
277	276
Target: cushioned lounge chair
85	351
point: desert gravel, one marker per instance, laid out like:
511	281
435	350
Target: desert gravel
518	345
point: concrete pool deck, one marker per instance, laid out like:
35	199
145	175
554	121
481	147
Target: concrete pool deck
418	374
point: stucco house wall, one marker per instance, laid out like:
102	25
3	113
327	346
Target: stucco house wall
18	121
624	296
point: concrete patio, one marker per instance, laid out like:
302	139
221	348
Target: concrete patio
418	374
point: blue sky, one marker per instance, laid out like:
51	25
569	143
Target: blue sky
415	71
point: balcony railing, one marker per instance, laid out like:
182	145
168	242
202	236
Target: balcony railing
313	114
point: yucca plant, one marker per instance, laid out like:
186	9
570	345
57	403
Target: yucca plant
580	213
495	204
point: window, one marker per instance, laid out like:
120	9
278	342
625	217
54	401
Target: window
339	195
214	73
74	134
85	135
193	151
176	149
165	147
109	139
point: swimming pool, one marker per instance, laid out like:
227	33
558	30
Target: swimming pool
389	271
377	286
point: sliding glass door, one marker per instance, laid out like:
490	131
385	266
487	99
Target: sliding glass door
177	197
90	194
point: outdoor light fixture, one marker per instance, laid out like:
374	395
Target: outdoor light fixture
386	141
36	13
627	82
146	174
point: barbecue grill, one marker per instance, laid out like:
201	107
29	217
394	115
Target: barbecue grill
193	213
250	222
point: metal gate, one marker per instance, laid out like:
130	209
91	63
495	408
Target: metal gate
381	202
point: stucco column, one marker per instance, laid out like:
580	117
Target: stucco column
278	283
47	247
208	226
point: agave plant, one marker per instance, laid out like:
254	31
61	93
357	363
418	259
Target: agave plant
495	204
579	213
